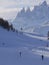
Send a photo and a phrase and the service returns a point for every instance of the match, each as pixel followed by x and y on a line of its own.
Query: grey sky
pixel 13 6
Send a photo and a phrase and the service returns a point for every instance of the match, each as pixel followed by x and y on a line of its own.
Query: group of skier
pixel 42 56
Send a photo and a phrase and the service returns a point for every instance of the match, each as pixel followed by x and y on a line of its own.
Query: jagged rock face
pixel 32 19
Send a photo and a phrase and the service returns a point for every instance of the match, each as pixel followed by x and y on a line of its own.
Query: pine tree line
pixel 5 24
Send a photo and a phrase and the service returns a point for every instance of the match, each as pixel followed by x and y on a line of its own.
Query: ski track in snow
pixel 37 37
pixel 43 51
pixel 31 53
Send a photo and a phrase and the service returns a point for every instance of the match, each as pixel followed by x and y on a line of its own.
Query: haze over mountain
pixel 32 20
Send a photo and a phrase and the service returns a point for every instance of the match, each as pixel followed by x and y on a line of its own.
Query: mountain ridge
pixel 34 18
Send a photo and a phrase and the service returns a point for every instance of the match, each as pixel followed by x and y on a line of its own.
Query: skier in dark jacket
pixel 20 54
pixel 47 45
pixel 42 57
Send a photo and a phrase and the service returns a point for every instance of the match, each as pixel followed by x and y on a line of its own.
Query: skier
pixel 42 57
pixel 47 45
pixel 20 53
pixel 3 44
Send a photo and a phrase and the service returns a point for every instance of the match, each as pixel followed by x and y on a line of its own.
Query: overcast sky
pixel 9 8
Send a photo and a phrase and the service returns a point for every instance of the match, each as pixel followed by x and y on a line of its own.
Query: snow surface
pixel 31 47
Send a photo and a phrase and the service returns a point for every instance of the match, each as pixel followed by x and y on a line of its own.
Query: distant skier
pixel 47 45
pixel 42 57
pixel 20 54
pixel 3 44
